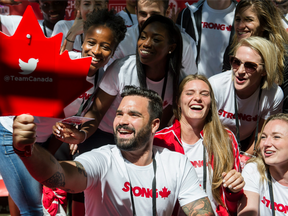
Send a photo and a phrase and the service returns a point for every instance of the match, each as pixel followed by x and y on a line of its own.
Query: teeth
pixel 95 59
pixel 269 152
pixel 241 33
pixel 196 107
pixel 145 52
pixel 125 132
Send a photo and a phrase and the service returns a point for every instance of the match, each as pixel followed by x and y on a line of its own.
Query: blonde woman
pixel 198 133
pixel 266 176
pixel 247 94
pixel 261 18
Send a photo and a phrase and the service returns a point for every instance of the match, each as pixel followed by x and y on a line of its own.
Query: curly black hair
pixel 107 18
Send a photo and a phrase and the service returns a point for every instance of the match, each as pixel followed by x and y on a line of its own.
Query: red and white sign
pixel 34 77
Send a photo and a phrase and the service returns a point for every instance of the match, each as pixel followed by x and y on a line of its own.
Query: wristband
pixel 69 40
pixel 85 135
pixel 26 153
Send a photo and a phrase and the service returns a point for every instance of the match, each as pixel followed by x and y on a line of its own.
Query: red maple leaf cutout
pixel 164 193
pixel 34 77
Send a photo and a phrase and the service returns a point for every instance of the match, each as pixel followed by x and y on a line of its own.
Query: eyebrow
pixel 154 34
pixel 130 112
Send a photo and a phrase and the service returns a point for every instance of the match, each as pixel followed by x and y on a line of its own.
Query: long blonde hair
pixel 216 139
pixel 271 22
pixel 259 160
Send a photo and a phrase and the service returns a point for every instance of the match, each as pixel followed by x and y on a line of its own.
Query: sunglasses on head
pixel 250 67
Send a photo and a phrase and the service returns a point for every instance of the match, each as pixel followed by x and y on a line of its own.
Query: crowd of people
pixel 189 118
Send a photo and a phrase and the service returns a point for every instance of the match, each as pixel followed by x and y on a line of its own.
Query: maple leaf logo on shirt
pixel 164 193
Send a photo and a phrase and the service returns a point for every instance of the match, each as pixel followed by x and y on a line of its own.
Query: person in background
pixel 72 30
pixel 112 176
pixel 247 94
pixel 129 13
pixel 282 5
pixel 209 23
pixel 213 150
pixel 144 10
pixel 24 190
pixel 266 176
pixel 261 18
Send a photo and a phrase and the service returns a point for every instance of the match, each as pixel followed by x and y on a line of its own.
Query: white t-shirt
pixel 194 154
pixel 280 193
pixel 216 30
pixel 109 176
pixel 127 19
pixel 64 27
pixel 10 23
pixel 270 103
pixel 129 44
pixel 124 72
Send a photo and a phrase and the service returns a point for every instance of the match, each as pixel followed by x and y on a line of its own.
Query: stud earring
pixel 170 52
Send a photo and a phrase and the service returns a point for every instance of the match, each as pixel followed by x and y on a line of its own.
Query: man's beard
pixel 134 143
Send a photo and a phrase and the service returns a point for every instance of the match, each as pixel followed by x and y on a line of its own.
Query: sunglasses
pixel 250 67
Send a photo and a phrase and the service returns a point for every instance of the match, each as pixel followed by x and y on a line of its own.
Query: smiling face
pixel 99 43
pixel 195 102
pixel 247 83
pixel 87 6
pixel 132 126
pixel 153 44
pixel 274 143
pixel 52 11
pixel 247 24
pixel 147 8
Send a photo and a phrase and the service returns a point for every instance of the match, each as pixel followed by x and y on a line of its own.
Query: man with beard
pixel 133 177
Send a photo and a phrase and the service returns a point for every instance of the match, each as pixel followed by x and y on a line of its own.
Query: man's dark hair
pixel 109 19
pixel 155 101
pixel 164 2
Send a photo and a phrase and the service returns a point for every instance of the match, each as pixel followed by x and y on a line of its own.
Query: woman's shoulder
pixel 224 77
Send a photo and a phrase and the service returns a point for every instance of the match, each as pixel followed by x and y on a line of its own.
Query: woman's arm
pixel 76 29
pixel 249 204
pixel 69 134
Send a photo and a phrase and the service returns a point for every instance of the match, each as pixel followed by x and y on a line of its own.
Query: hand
pixel 233 180
pixel 68 133
pixel 77 27
pixel 73 148
pixel 10 2
pixel 24 132
pixel 174 14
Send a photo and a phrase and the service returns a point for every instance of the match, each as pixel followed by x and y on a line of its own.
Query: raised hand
pixel 24 132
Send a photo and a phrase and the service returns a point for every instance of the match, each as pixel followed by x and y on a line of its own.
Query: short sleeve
pixel 190 189
pixel 277 105
pixel 251 177
pixel 110 81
